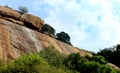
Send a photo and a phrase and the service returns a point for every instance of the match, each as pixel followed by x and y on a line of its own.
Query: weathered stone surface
pixel 9 12
pixel 6 51
pixel 32 20
pixel 16 39
pixel 62 47
pixel 13 20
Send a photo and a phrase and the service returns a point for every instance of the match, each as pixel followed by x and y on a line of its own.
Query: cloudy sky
pixel 92 24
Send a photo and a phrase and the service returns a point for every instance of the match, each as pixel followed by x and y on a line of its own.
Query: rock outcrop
pixel 32 21
pixel 4 11
pixel 18 35
pixel 29 20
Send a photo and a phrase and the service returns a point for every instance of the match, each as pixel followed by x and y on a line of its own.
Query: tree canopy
pixel 62 36
pixel 111 54
pixel 49 29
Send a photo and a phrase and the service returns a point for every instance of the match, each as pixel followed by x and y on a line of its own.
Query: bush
pixel 95 64
pixel 51 61
pixel 107 53
pixel 72 61
pixel 89 67
pixel 23 9
pixel 111 54
pixel 27 64
pixel 99 59
pixel 1 64
pixel 105 69
pixel 52 56
pixel 48 29
pixel 62 36
pixel 31 63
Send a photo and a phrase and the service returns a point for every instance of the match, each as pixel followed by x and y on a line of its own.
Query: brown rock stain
pixel 6 52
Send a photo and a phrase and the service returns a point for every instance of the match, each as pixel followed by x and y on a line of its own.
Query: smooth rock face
pixel 20 36
pixel 16 39
pixel 6 51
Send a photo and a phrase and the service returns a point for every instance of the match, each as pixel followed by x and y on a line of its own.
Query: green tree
pixel 107 53
pixel 72 61
pixel 52 56
pixel 99 59
pixel 118 48
pixel 62 36
pixel 89 67
pixel 106 69
pixel 31 63
pixel 49 29
pixel 23 9
pixel 112 55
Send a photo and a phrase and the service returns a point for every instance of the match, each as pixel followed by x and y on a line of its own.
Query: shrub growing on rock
pixel 47 29
pixel 23 9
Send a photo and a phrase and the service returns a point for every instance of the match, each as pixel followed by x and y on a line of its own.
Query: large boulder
pixel 32 21
pixel 8 12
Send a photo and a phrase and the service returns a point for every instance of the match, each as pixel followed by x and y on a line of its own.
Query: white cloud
pixel 91 24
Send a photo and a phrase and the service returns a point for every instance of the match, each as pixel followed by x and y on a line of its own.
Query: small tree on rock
pixel 23 9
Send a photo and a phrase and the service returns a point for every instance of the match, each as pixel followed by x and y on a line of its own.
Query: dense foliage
pixel 62 36
pixel 95 64
pixel 52 56
pixel 48 29
pixel 31 63
pixel 50 60
pixel 111 54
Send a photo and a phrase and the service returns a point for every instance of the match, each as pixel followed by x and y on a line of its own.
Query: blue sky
pixel 92 24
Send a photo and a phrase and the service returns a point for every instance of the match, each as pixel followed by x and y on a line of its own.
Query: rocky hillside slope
pixel 19 33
